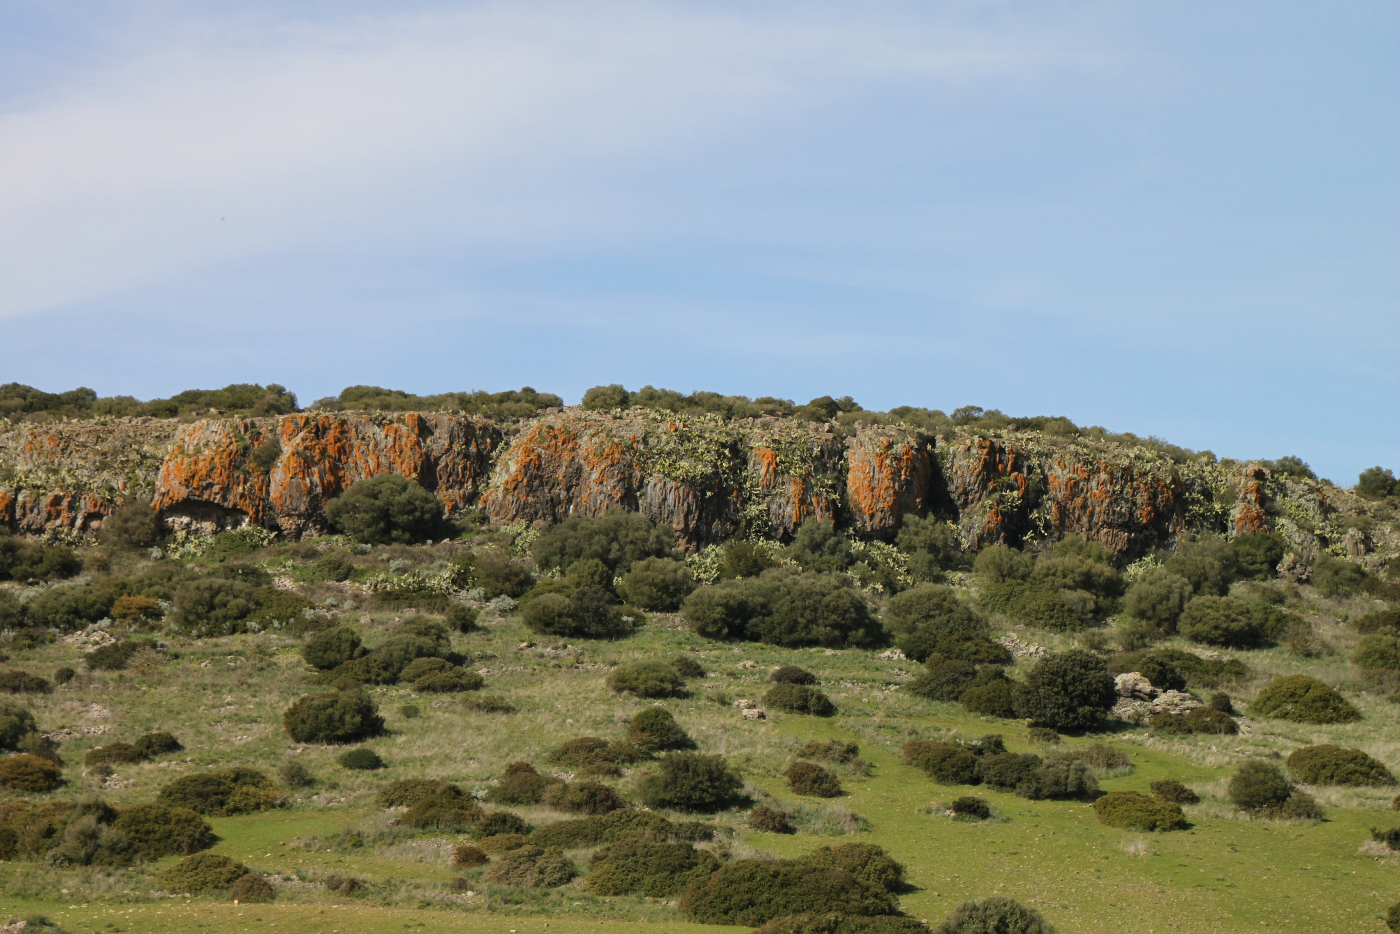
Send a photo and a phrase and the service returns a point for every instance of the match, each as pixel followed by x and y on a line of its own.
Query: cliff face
pixel 706 477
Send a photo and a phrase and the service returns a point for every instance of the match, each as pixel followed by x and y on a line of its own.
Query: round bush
pixel 619 539
pixel 1158 598
pixel 1377 651
pixel 1199 720
pixel 770 820
pixel 449 681
pixel 16 722
pixel 791 674
pixel 1132 811
pixel 531 867
pixel 646 679
pixel 584 798
pixel 1008 770
pixel 498 822
pixel 360 759
pixel 969 806
pixel 1169 789
pixel 295 775
pixel 446 808
pixel 331 648
pixel 63 675
pixel 1066 691
pixel 520 785
pixel 387 508
pixel 690 781
pixel 154 830
pixel 337 717
pixel 945 763
pixel 995 915
pixel 252 889
pixel 463 618
pixel 14 681
pixel 114 753
pixel 235 791
pixel 421 667
pixel 799 698
pixel 467 856
pixel 643 867
pixel 657 584
pixel 751 892
pixel 1332 765
pixel 928 618
pixel 944 679
pixel 133 524
pixel 588 613
pixel 407 792
pixel 211 606
pixel 202 872
pixel 26 772
pixel 1062 776
pixel 996 698
pixel 1219 621
pixel 655 729
pixel 804 778
pixel 1303 700
pixel 1258 786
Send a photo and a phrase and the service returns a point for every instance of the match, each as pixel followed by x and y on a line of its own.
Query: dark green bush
pixel 500 576
pixel 16 722
pixel 1258 786
pixel 1219 621
pixel 1199 720
pixel 331 648
pixel 641 867
pixel 1061 776
pixel 1207 562
pixel 1377 651
pixel 687 667
pixel 1169 789
pixel 647 679
pixel 817 546
pixel 1387 620
pixel 1257 556
pixel 791 674
pixel 488 703
pixel 587 752
pixel 114 753
pixel 1129 810
pixel 604 398
pixel 12 612
pixel 1170 664
pixel 449 681
pixel 421 667
pixel 1392 918
pixel 233 791
pixel 155 830
pixel 202 872
pixel 584 798
pixel 295 775
pixel 690 781
pixel 1332 765
pixel 1007 771
pixel 336 717
pixel 211 607
pixel 945 763
pixel 969 806
pixel 994 698
pixel 1040 734
pixel 655 729
pixel 1221 701
pixel 335 566
pixel 407 792
pixel 869 864
pixel 26 561
pixel 31 773
pixel 751 892
pixel 1303 700
pixel 605 828
pixel 114 655
pixel 468 856
pixel 943 679
pixel 69 608
pixel 932 545
pixel 360 759
pixel 1336 576
pixel 531 867
pixel 785 607
pixel 804 778
pixel 498 822
pixel 251 888
pixel 62 676
pixel 995 915
pixel 798 698
pixel 462 618
pixel 387 508
pixel 770 820
pixel 658 584
pixel 1066 691
pixel 1158 598
pixel 521 785
pixel 14 681
pixel 618 539
pixel 447 808
pixel 928 620
pixel 588 612
pixel 842 924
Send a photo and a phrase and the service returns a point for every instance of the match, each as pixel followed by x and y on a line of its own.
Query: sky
pixel 1179 219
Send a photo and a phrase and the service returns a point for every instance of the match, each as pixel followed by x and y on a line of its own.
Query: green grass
pixel 224 698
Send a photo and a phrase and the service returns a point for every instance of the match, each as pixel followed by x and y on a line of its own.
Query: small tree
pixel 1219 621
pixel 387 508
pixel 690 781
pixel 1258 786
pixel 1067 691
pixel 133 524
pixel 806 778
pixel 658 584
pixel 654 729
pixel 337 717
pixel 1158 598
pixel 995 915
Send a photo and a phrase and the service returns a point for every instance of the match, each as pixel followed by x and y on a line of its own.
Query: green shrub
pixel 932 546
pixel 62 676
pixel 1062 776
pixel 155 830
pixel 1169 789
pixel 1258 786
pixel 498 822
pixel 446 808
pixel 336 717
pixel 114 753
pixel 690 781
pixel 532 867
pixel 26 772
pixel 134 524
pixel 1257 556
pixel 1377 651
pixel 26 561
pixel 420 667
pixel 1129 810
pixel 295 775
pixel 750 892
pixel 641 867
pixel 1303 700
pixel 1334 577
pixel 331 648
pixel 945 763
pixel 791 674
pixel 12 612
pixel 202 872
pixel 252 889
pixel 1207 562
pixel 360 759
pixel 995 915
pixel 618 539
pixel 658 584
pixel 970 806
pixel 943 679
pixel 16 722
pixel 785 607
pixel 687 667
pixel 1332 765
pixel 592 831
pixel 655 729
pixel 798 698
pixel 842 924
pixel 1158 598
pixel 584 798
pixel 1066 691
pixel 1377 483
pixel 69 608
pixel 770 820
pixel 463 618
pixel 1392 918
pixel 335 566
pixel 1007 771
pixel 387 508
pixel 488 703
pixel 647 679
pixel 449 681
pixel 1163 667
pixel 234 791
pixel 467 856
pixel 114 655
pixel 1387 620
pixel 588 612
pixel 500 576
pixel 211 607
pixel 1198 720
pixel 14 681
pixel 995 698
pixel 587 752
pixel 804 778
pixel 869 864
pixel 1221 701
pixel 1040 734
pixel 1219 621
pixel 407 792
pixel 928 620
pixel 521 785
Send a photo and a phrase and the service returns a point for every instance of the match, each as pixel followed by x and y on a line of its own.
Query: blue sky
pixel 1175 219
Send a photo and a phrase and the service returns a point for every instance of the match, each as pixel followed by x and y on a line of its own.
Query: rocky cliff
pixel 707 477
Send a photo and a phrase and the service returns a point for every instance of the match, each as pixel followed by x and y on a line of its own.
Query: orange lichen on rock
pixel 207 478
pixel 562 466
pixel 1248 517
pixel 887 478
pixel 1117 505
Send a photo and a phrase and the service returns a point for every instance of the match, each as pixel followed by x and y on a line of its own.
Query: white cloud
pixel 482 123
